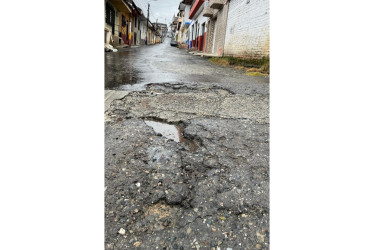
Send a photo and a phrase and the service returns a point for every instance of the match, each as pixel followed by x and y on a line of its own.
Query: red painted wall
pixel 204 44
pixel 200 45
pixel 195 7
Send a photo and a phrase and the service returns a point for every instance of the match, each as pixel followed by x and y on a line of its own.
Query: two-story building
pixel 125 23
pixel 184 9
pixel 216 11
pixel 115 24
pixel 238 28
pixel 197 27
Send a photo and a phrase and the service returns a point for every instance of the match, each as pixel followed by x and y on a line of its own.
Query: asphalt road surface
pixel 187 153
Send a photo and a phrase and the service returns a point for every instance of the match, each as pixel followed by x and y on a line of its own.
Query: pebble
pixel 188 230
pixel 138 243
pixel 122 231
pixel 258 246
pixel 138 184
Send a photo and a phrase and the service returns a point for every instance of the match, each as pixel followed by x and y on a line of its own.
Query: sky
pixel 160 10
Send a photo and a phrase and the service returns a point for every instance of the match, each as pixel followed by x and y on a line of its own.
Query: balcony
pixel 208 12
pixel 216 4
pixel 195 7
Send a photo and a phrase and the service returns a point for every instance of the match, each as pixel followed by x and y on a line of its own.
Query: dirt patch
pixel 223 61
pixel 159 209
pixel 261 65
pixel 255 74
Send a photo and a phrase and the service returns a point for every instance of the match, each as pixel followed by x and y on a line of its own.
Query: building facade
pixel 113 27
pixel 197 28
pixel 247 31
pixel 125 24
pixel 237 28
pixel 183 32
pixel 216 11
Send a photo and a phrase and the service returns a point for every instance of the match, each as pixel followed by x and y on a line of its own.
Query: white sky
pixel 163 10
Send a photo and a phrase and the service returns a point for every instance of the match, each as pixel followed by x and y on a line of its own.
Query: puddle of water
pixel 167 130
pixel 173 132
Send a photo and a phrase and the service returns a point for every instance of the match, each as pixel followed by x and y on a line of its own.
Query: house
pixel 114 9
pixel 174 26
pixel 139 25
pixel 162 30
pixel 183 33
pixel 142 29
pixel 125 23
pixel 216 12
pixel 151 33
pixel 197 28
pixel 238 28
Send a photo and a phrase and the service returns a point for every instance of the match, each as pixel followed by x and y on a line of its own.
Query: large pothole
pixel 173 132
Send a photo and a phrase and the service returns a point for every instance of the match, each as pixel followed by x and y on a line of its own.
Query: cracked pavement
pixel 208 191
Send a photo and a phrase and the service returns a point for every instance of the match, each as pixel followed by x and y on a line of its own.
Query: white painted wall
pixel 247 31
pixel 143 30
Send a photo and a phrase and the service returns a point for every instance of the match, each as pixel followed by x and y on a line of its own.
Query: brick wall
pixel 247 31
pixel 209 36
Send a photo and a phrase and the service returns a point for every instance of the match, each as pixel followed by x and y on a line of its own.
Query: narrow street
pixel 132 68
pixel 187 152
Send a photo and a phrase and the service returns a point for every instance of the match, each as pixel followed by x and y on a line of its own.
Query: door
pixel 203 36
pixel 127 33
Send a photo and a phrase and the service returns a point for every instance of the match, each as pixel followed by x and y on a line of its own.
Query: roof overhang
pixel 121 5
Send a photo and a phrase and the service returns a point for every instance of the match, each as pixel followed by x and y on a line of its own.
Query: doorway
pixel 202 37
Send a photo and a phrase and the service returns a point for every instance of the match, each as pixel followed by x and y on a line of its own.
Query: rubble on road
pixel 109 48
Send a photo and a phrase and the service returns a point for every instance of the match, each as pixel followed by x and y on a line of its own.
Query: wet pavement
pixel 132 69
pixel 187 153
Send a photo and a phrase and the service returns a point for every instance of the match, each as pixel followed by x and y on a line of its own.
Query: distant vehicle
pixel 173 43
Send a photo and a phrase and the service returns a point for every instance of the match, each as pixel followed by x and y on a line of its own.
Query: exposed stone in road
pixel 111 95
pixel 208 190
pixel 174 107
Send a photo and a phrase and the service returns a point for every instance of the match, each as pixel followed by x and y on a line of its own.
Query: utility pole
pixel 156 28
pixel 146 40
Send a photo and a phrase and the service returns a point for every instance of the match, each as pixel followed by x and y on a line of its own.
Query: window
pixel 109 14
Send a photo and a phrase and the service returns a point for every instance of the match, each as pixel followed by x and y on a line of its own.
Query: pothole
pixel 173 132
pixel 167 130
